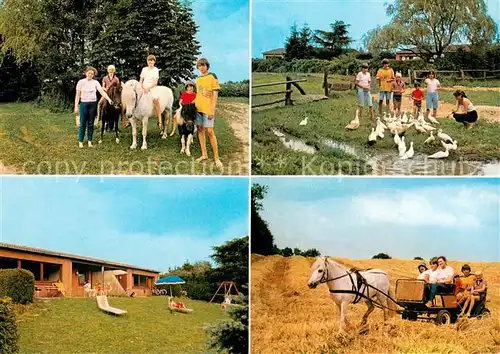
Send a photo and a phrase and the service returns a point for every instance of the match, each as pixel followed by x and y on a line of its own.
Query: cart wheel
pixel 484 313
pixel 443 317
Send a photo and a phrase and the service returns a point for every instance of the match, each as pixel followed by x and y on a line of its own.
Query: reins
pixel 355 291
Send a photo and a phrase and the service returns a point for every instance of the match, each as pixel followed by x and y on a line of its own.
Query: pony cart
pixel 412 296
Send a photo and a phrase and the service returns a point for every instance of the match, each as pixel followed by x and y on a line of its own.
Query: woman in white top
pixel 149 80
pixel 86 96
pixel 468 113
pixel 432 99
pixel 442 276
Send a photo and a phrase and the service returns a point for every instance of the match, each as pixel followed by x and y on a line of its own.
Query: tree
pixel 332 43
pixel 427 28
pixel 297 251
pixel 418 258
pixel 298 44
pixel 287 252
pixel 262 239
pixel 313 252
pixel 381 256
pixel 232 261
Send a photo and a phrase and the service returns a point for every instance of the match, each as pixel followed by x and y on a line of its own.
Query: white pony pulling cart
pixel 372 286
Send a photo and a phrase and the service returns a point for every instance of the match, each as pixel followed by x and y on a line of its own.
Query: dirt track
pixel 288 317
pixel 240 124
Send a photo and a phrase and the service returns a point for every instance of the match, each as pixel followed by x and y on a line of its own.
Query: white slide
pixel 102 302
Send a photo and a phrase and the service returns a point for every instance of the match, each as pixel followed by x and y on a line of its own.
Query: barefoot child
pixel 397 88
pixel 363 83
pixel 385 77
pixel 432 100
pixel 207 90
pixel 149 81
pixel 417 95
pixel 187 97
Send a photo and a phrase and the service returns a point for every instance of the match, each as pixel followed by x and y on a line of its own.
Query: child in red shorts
pixel 187 97
pixel 417 95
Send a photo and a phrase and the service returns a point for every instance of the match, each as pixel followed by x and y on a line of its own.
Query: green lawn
pixel 328 118
pixel 77 326
pixel 35 141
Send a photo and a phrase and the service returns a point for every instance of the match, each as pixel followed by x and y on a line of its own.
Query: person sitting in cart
pixel 440 278
pixel 464 284
pixel 424 272
pixel 477 293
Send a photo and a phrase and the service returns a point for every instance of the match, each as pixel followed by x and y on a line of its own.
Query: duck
pixel 445 137
pixel 379 130
pixel 428 128
pixel 439 154
pixel 354 124
pixel 432 119
pixel 372 138
pixel 381 124
pixel 409 153
pixel 420 128
pixel 397 139
pixel 402 147
pixel 452 146
pixel 303 121
pixel 430 138
pixel 405 118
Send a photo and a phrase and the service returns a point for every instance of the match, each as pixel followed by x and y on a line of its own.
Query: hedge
pixel 8 328
pixel 18 284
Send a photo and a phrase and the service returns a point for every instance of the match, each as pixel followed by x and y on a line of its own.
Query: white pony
pixel 139 107
pixel 345 288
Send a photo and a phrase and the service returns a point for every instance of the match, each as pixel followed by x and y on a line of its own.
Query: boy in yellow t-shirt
pixel 207 90
pixel 385 77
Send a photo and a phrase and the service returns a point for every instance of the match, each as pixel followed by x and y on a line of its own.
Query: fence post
pixel 409 76
pixel 485 74
pixel 288 93
pixel 325 82
pixel 462 74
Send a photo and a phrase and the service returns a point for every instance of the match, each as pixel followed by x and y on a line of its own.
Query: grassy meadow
pixel 327 120
pixel 288 317
pixel 76 325
pixel 35 141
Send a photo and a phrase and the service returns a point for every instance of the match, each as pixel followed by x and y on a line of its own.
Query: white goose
pixel 397 139
pixel 372 138
pixel 402 147
pixel 405 118
pixel 440 154
pixel 420 128
pixel 379 130
pixel 303 121
pixel 445 137
pixel 429 139
pixel 432 119
pixel 354 124
pixel 449 146
pixel 409 153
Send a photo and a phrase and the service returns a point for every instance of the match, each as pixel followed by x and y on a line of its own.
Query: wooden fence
pixel 463 74
pixel 288 91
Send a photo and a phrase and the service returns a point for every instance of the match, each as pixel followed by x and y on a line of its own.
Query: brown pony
pixel 110 114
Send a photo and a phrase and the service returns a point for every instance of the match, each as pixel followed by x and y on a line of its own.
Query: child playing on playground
pixel 417 95
pixel 207 90
pixel 187 97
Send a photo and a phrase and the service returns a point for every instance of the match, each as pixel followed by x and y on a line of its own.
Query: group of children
pixel 205 100
pixel 468 288
pixel 392 84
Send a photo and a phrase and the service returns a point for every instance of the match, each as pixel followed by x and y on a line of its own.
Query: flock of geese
pixel 398 126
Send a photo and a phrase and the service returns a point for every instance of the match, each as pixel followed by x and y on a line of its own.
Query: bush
pixel 18 284
pixel 8 328
pixel 235 89
pixel 418 259
pixel 230 336
pixel 381 256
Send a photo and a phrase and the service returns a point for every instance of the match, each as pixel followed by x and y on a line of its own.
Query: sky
pixel 404 217
pixel 224 36
pixel 272 19
pixel 155 223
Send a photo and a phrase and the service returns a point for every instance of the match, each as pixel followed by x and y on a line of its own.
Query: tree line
pixel 262 238
pixel 46 44
pixel 426 28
